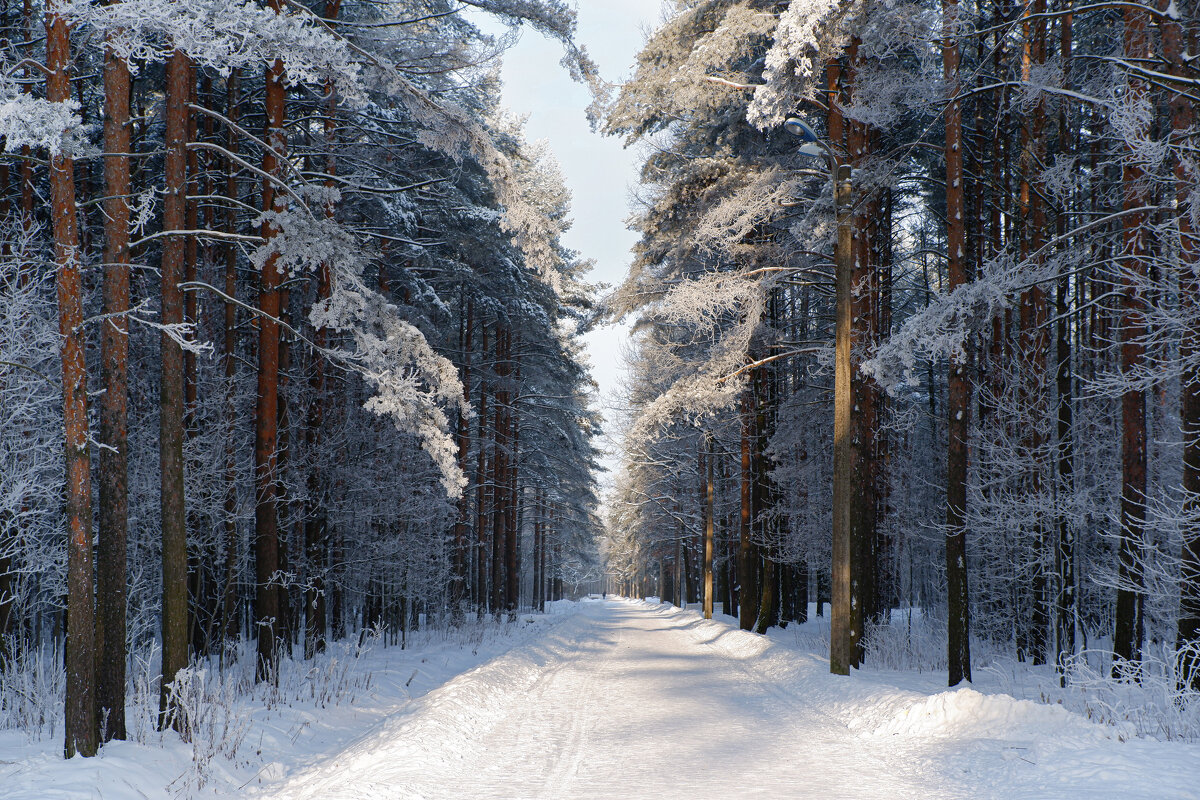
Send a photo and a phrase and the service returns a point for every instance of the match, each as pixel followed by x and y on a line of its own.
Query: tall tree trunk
pixel 1175 46
pixel 500 472
pixel 707 460
pixel 171 400
pixel 114 362
pixel 1033 622
pixel 767 609
pixel 959 395
pixel 27 178
pixel 80 701
pixel 229 616
pixel 198 560
pixel 1127 636
pixel 764 496
pixel 747 562
pixel 266 415
pixel 512 572
pixel 82 734
pixel 843 637
pixel 538 500
pixel 481 490
pixel 1065 613
pixel 863 421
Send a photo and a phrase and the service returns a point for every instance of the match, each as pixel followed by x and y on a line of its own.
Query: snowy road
pixel 625 700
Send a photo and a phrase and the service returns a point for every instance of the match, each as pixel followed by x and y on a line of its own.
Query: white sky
pixel 598 171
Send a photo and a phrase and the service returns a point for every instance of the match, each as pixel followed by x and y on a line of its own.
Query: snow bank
pixel 965 712
pixel 982 743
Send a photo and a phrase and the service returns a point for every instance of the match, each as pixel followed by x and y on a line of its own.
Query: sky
pixel 597 170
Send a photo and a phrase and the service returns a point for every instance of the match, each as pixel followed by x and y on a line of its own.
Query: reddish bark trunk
pixel 82 734
pixel 959 394
pixel 266 433
pixel 114 361
pixel 171 403
pixel 27 187
pixel 1183 115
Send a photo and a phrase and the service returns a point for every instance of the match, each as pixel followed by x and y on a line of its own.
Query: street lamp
pixel 845 620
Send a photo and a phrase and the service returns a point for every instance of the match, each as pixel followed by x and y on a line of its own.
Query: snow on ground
pixel 251 741
pixel 638 700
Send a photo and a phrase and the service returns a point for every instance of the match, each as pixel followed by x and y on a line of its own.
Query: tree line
pixel 1023 447
pixel 287 287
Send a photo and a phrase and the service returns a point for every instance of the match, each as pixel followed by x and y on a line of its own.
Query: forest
pixel 286 285
pixel 961 310
pixel 294 362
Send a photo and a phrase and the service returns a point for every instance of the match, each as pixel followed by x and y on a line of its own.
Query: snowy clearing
pixel 629 699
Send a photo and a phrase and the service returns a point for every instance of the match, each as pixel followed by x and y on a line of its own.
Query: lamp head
pixel 798 127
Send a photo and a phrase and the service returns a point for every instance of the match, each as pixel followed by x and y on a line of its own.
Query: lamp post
pixel 844 630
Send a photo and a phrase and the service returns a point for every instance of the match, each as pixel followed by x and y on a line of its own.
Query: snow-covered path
pixel 627 700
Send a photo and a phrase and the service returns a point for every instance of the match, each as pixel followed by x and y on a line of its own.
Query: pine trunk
pixel 708 528
pixel 512 567
pixel 1127 637
pixel 28 191
pixel 266 416
pixel 1175 48
pixel 959 394
pixel 747 562
pixel 114 364
pixel 171 398
pixel 481 493
pixel 82 734
pixel 229 617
